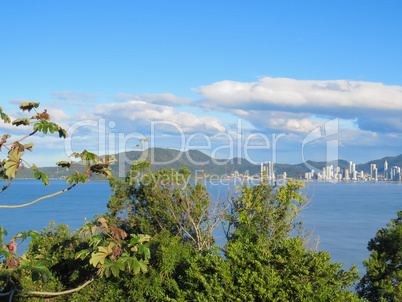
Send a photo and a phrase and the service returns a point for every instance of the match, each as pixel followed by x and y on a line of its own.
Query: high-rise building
pixel 271 174
pixel 346 174
pixel 373 172
pixel 268 171
pixel 386 172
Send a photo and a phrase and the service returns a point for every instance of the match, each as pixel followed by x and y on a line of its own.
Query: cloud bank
pixel 141 114
pixel 292 105
pixel 282 94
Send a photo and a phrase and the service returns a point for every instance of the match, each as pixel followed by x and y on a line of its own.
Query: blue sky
pixel 249 78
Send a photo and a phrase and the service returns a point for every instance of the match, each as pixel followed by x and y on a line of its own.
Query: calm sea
pixel 344 215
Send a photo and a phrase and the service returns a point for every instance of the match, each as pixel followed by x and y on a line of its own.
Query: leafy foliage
pixel 4 117
pixel 28 106
pixel 13 267
pixel 267 211
pixel 383 280
pixel 111 253
pixel 265 258
pixel 250 271
pixel 166 201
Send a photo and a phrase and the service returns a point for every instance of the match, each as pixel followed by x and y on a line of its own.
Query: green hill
pixel 200 164
pixel 392 161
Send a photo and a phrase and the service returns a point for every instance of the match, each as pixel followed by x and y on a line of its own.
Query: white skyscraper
pixel 373 172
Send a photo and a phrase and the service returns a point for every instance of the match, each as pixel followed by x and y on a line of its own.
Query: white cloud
pixel 339 98
pixel 139 113
pixel 161 98
pixel 74 96
pixel 279 121
pixel 58 115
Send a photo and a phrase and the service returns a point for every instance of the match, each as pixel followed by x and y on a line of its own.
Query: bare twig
pixel 36 200
pixel 8 184
pixel 55 293
pixel 21 139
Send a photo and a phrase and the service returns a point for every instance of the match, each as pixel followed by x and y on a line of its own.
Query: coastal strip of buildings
pixel 330 172
pixel 333 173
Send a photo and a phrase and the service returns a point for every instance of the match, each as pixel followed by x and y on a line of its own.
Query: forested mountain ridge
pixel 200 163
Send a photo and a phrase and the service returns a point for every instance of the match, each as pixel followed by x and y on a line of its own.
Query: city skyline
pixel 331 173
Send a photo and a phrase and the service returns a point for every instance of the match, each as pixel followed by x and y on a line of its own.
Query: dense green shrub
pixel 383 280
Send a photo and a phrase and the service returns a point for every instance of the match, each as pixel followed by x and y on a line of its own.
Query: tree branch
pixel 55 293
pixel 6 186
pixel 36 200
pixel 21 139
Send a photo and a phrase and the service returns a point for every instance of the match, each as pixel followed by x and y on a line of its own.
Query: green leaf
pixel 115 270
pixel 37 174
pixel 42 176
pixel 33 234
pixel 88 157
pixel 106 270
pixel 139 238
pixel 147 252
pixel 83 178
pixel 5 117
pixel 75 154
pixel 6 254
pixel 95 240
pixel 100 256
pixel 51 128
pixel 73 178
pixel 140 249
pixel 143 266
pixel 130 263
pixel 97 258
pixel 29 146
pixel 28 106
pixel 62 133
pixel 3 231
pixel 65 164
pixel 13 162
pixel 11 168
pixel 120 265
pixel 21 121
pixel 136 266
pixel 19 235
pixel 82 254
pixel 38 126
pixel 40 272
pixel 76 178
pixel 45 179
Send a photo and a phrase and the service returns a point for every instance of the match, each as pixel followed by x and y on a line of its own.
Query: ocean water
pixel 344 215
pixel 71 207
